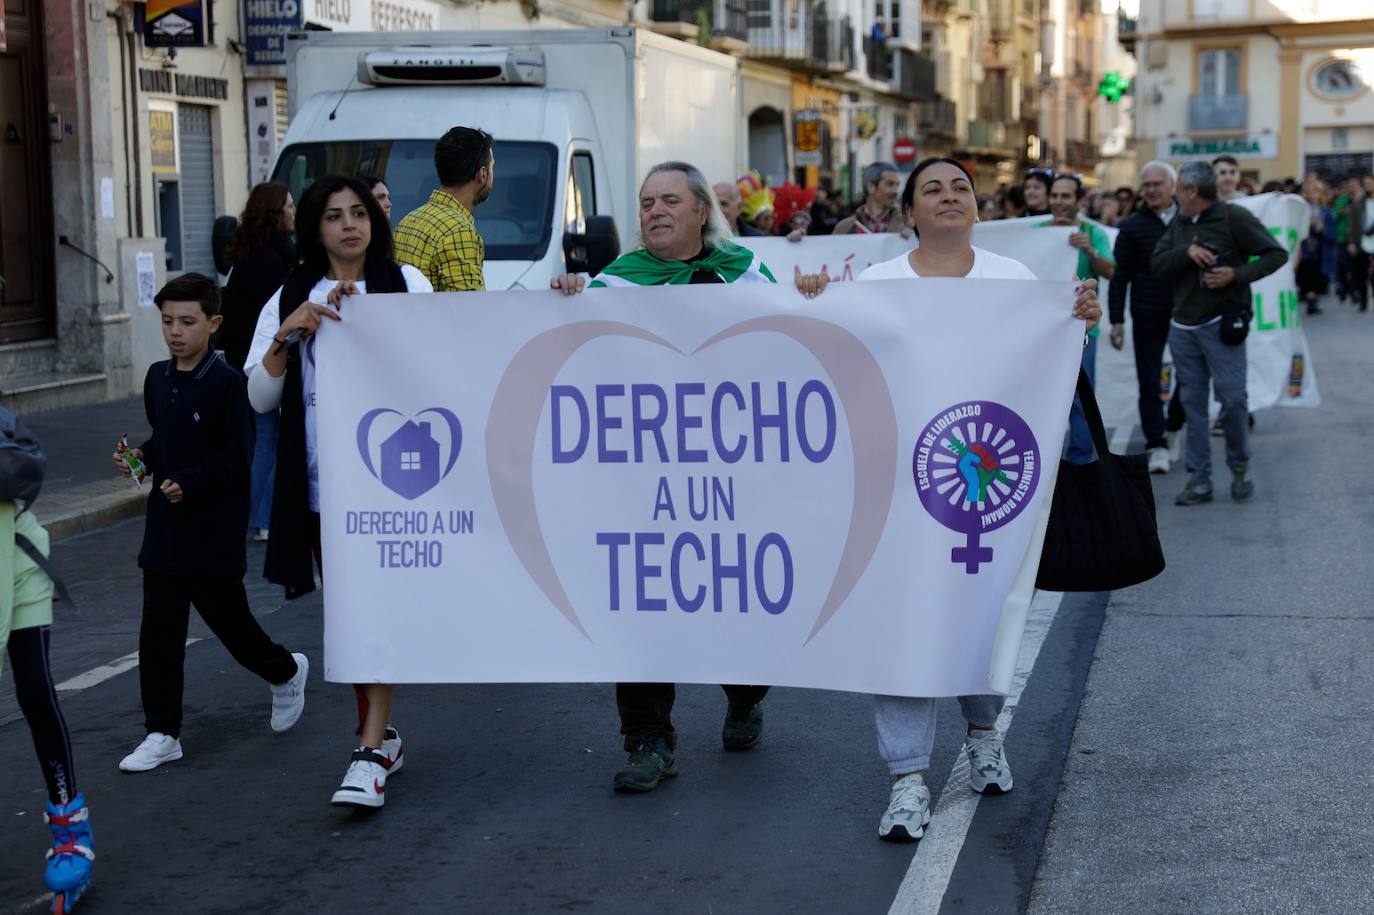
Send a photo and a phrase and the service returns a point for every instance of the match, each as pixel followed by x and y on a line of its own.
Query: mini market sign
pixel 1258 146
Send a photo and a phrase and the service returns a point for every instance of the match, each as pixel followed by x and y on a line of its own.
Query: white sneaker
pixel 1175 446
pixel 156 749
pixel 1159 460
pixel 391 749
pixel 987 764
pixel 908 811
pixel 288 699
pixel 364 784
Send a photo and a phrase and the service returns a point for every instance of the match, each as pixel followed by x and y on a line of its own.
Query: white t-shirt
pixel 986 266
pixel 269 323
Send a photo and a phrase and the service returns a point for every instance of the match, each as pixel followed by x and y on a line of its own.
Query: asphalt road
pixel 1196 744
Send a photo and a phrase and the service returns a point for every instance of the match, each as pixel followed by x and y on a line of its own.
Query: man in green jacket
pixel 1213 251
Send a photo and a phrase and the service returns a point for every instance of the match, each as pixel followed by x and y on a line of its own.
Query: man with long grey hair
pixel 1152 303
pixel 1213 251
pixel 684 239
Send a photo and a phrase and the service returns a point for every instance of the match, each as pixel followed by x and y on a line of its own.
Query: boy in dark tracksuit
pixel 199 456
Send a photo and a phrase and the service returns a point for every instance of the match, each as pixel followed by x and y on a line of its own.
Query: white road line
pixel 98 675
pixel 923 888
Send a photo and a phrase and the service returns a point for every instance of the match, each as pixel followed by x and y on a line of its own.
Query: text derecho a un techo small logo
pixel 975 467
pixel 415 454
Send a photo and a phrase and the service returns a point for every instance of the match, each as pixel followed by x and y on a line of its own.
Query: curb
pixel 65 517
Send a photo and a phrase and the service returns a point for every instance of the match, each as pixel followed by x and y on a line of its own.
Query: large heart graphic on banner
pixel 859 383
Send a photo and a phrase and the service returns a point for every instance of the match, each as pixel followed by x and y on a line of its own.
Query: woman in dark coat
pixel 262 253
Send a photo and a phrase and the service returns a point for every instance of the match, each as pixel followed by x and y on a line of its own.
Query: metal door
pixel 26 251
pixel 197 188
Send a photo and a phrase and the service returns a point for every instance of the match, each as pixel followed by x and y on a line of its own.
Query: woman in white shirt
pixel 938 200
pixel 344 240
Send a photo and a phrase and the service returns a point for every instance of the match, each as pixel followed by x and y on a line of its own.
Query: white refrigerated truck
pixel 578 116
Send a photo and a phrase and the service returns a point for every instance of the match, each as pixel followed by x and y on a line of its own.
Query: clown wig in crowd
pixel 756 202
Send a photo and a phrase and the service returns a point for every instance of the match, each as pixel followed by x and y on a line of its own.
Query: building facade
pixel 132 125
pixel 1283 87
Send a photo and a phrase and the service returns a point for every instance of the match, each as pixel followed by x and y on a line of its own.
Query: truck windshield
pixel 515 222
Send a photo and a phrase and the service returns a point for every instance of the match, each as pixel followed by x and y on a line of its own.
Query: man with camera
pixel 1213 251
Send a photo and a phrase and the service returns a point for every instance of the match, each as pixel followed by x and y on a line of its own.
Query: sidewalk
pixel 1220 761
pixel 81 489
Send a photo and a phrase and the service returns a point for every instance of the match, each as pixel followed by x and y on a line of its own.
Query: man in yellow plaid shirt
pixel 440 238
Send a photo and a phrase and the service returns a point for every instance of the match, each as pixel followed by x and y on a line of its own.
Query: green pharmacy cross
pixel 1113 86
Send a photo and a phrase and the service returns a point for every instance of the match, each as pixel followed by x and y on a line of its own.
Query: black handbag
pixel 1102 533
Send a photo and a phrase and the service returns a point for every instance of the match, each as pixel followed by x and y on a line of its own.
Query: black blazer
pixel 252 282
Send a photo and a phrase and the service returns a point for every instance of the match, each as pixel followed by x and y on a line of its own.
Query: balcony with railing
pixel 1081 153
pixel 726 22
pixel 1217 112
pixel 993 136
pixel 1000 19
pixel 910 74
pixel 939 117
pixel 803 36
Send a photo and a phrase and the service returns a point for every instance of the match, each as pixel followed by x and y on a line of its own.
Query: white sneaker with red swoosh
pixel 364 784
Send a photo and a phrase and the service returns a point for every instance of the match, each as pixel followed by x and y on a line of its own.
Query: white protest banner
pixel 1045 251
pixel 717 484
pixel 1279 363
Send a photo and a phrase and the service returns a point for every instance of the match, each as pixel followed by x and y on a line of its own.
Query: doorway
pixel 27 303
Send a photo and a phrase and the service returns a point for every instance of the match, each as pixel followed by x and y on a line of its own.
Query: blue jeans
pixel 1199 358
pixel 264 471
pixel 1081 448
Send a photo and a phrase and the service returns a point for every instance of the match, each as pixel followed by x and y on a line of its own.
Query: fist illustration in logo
pixel 978 466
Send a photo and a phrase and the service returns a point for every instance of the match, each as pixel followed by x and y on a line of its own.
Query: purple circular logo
pixel 975 467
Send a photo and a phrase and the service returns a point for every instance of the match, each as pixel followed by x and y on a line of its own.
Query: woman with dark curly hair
pixel 346 249
pixel 262 253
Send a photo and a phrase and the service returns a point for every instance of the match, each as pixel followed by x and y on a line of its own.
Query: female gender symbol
pixel 975 466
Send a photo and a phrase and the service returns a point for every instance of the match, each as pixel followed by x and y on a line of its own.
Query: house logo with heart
pixel 409 455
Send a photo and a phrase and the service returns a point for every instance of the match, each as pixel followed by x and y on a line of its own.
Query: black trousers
pixel 1149 334
pixel 37 695
pixel 223 604
pixel 646 709
pixel 1359 279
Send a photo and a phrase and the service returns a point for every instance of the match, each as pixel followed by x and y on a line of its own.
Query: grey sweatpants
pixel 906 727
pixel 1200 357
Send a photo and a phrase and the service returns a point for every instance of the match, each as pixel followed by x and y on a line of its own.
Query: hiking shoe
pixel 156 749
pixel 988 771
pixel 391 749
pixel 1241 488
pixel 1195 493
pixel 650 762
pixel 288 699
pixel 1159 460
pixel 908 810
pixel 364 784
pixel 743 727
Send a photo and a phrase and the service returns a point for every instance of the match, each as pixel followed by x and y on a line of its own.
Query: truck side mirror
pixel 591 250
